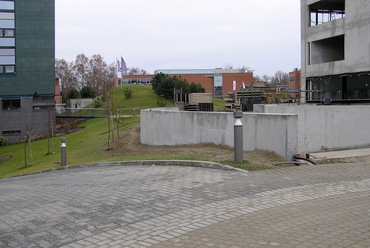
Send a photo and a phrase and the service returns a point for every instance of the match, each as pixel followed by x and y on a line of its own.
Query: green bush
pixel 87 92
pixel 128 93
pixel 161 102
pixel 73 94
pixel 3 140
pixel 163 85
pixel 98 103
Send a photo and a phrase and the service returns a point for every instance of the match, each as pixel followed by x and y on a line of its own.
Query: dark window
pixel 12 104
pixel 292 78
pixel 218 91
pixel 43 107
pixel 12 132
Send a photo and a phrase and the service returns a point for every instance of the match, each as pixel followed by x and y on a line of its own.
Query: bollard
pixel 238 137
pixel 63 148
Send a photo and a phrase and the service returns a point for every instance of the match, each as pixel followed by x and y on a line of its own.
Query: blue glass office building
pixel 27 74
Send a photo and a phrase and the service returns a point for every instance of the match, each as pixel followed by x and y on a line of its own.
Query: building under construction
pixel 335 50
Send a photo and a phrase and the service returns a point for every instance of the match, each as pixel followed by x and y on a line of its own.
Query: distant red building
pixel 218 82
pixel 295 80
pixel 57 91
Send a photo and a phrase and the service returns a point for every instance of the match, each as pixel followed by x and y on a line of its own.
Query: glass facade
pixel 185 71
pixel 354 87
pixel 218 85
pixel 27 47
pixel 7 37
pixel 135 81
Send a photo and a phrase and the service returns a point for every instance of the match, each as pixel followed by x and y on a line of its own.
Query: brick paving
pixel 166 206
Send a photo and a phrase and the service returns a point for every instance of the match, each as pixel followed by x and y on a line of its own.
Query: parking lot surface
pixel 173 206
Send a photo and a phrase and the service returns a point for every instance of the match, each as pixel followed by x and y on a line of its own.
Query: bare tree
pixel 266 78
pixel 64 70
pixel 81 70
pixel 29 125
pixel 246 69
pixel 280 78
pixel 228 67
pixel 257 78
pixel 136 71
pixel 85 71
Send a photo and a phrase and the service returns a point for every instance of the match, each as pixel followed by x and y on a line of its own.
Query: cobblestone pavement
pixel 165 206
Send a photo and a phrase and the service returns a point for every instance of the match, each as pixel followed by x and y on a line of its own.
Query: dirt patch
pixel 3 159
pixel 68 125
pixel 351 160
pixel 129 145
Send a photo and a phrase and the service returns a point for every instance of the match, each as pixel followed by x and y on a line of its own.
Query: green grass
pixel 83 147
pixel 143 96
pixel 219 104
pixel 89 145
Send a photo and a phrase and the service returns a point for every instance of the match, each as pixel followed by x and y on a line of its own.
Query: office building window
pixel 218 85
pixel 11 104
pixel 6 5
pixel 11 132
pixel 7 37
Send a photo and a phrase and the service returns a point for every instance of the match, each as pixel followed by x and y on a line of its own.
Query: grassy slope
pixel 85 146
pixel 142 97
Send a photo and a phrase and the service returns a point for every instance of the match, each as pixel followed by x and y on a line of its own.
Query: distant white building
pixel 336 50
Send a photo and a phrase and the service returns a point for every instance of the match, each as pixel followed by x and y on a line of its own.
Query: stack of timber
pixel 200 102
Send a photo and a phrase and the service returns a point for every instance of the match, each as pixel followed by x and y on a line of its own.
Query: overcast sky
pixel 182 34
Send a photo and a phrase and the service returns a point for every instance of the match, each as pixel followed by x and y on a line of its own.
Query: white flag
pixel 119 70
pixel 243 85
pixel 234 85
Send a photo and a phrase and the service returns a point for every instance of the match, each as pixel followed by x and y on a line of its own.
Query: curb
pixel 188 163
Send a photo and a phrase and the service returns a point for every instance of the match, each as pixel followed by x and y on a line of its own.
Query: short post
pixel 238 137
pixel 63 148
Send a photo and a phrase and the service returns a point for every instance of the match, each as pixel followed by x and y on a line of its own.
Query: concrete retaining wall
pixel 331 127
pixel 271 132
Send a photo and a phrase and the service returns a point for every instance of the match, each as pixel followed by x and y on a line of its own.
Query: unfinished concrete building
pixel 336 50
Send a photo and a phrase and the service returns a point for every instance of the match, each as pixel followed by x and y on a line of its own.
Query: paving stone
pixel 165 206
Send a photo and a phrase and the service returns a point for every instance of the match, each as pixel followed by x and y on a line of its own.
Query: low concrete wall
pixel 331 127
pixel 271 132
pixel 79 103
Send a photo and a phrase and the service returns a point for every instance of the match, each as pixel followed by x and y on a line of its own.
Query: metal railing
pixel 95 112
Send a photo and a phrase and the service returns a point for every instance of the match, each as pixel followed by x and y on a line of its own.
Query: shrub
pixel 161 102
pixel 163 85
pixel 73 94
pixel 98 103
pixel 3 140
pixel 87 92
pixel 128 93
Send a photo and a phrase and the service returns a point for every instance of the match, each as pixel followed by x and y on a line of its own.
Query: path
pixel 164 206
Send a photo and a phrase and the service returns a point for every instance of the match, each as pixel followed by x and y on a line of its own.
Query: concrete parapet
pixel 327 127
pixel 272 132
